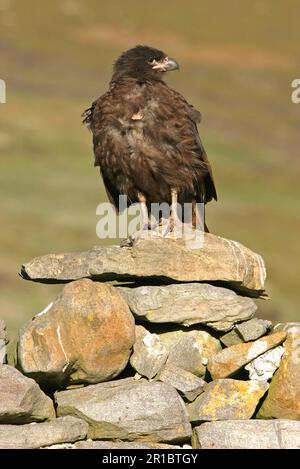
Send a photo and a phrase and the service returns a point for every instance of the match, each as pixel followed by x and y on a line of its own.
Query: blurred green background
pixel 238 59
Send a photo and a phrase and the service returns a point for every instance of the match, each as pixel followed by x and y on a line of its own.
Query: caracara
pixel 145 136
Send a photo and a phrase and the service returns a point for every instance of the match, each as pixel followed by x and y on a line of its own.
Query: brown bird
pixel 145 137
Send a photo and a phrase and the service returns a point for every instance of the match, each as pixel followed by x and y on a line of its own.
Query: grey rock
pixel 37 435
pixel 217 259
pixel 190 349
pixel 253 329
pixel 189 303
pixel 3 342
pixel 248 434
pixel 231 338
pixel 21 400
pixel 149 353
pixel 264 366
pixel 188 384
pixel 128 410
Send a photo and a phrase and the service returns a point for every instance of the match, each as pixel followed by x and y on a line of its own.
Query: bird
pixel 146 141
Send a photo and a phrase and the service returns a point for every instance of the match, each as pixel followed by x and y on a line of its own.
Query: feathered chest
pixel 132 109
pixel 144 122
pixel 145 139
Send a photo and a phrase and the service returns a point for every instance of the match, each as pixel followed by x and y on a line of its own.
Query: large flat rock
pixel 218 259
pixel 189 303
pixel 248 434
pixel 37 435
pixel 128 410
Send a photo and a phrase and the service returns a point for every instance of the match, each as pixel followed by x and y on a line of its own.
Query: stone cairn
pixel 153 345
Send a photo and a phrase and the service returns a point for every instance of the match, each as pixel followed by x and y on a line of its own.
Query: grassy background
pixel 238 59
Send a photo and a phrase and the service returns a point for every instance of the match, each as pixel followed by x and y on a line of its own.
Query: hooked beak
pixel 166 65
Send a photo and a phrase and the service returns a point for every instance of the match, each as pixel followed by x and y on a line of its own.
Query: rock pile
pixel 176 327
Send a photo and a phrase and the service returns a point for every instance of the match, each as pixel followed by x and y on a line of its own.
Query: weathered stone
pixel 233 358
pixel 128 410
pixel 189 303
pixel 37 435
pixel 231 338
pixel 287 326
pixel 189 385
pixel 96 444
pixel 248 434
pixel 149 353
pixel 283 398
pixel 253 329
pixel 264 366
pixel 246 331
pixel 3 342
pixel 217 259
pixel 61 446
pixel 227 399
pixel 85 336
pixel 21 400
pixel 190 350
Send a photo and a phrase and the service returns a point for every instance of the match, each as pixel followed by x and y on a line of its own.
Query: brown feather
pixel 151 154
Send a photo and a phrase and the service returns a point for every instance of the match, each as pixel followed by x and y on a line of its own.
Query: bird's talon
pixel 127 243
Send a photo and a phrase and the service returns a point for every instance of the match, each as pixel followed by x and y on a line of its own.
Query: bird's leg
pixel 145 225
pixel 198 217
pixel 175 222
pixel 170 223
pixel 144 210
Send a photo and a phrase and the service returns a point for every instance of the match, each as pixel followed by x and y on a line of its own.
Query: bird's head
pixel 143 63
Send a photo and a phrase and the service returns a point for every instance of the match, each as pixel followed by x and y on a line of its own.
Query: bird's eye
pixel 152 60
